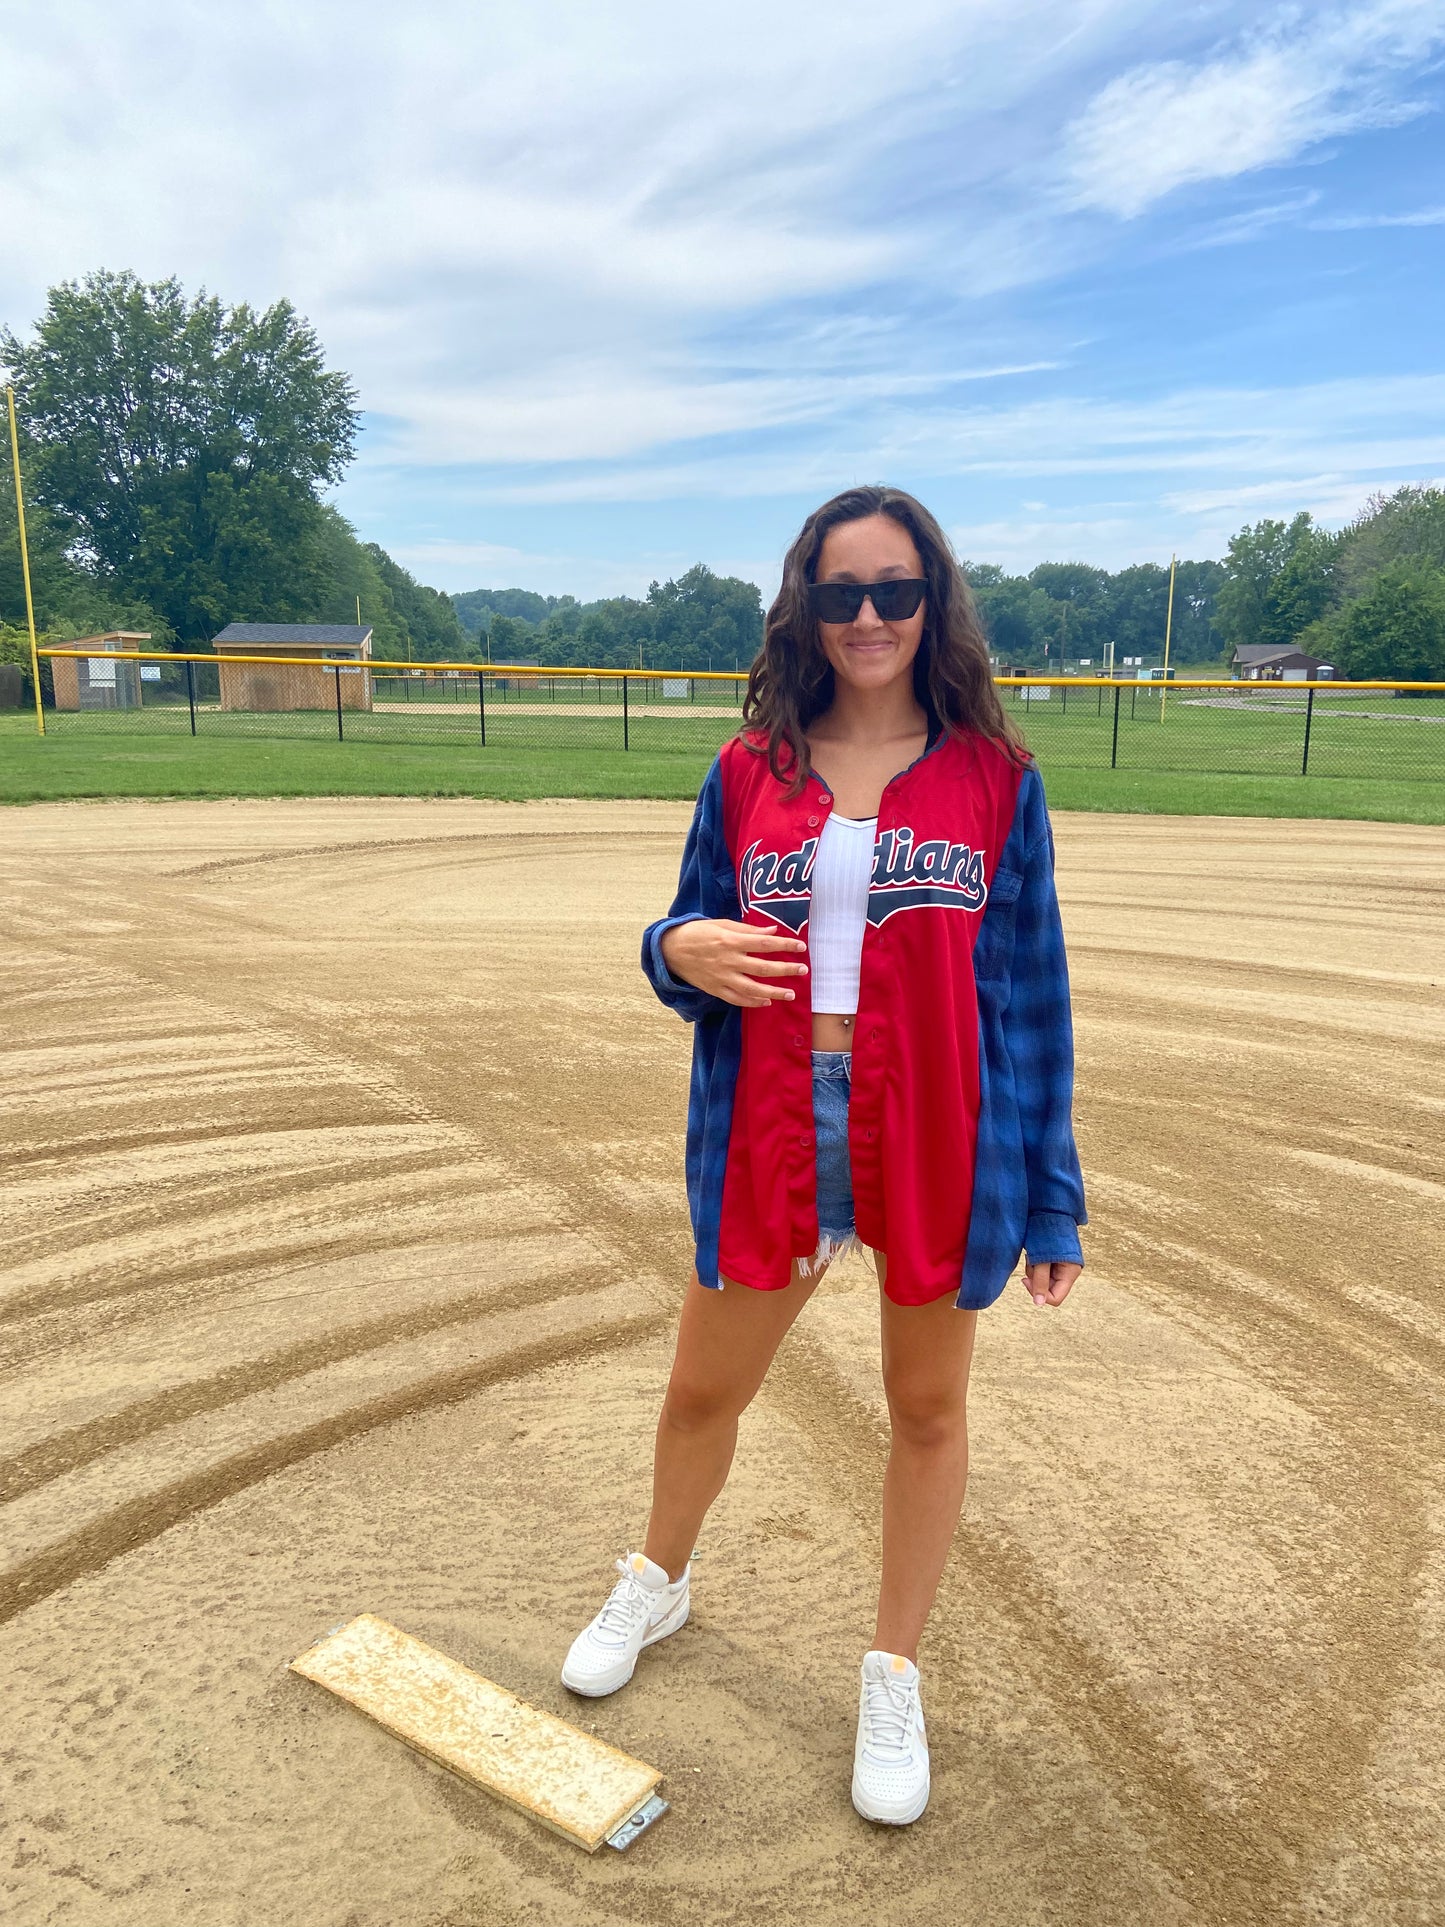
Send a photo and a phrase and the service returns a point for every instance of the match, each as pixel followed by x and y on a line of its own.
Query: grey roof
pixel 1269 651
pixel 294 632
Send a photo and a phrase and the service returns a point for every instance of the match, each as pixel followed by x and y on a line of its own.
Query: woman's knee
pixel 697 1404
pixel 927 1415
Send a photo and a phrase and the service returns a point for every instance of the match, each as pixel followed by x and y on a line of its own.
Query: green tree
pixel 1138 609
pixel 704 620
pixel 1072 623
pixel 1003 607
pixel 69 601
pixel 513 640
pixel 1406 526
pixel 476 607
pixel 1277 580
pixel 1395 628
pixel 184 443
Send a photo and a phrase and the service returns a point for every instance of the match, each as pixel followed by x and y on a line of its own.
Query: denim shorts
pixel 832 1086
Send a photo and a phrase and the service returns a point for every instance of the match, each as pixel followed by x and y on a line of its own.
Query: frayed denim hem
pixel 830 1246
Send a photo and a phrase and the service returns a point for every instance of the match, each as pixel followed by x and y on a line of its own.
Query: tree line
pixel 176 452
pixel 1368 598
pixel 699 621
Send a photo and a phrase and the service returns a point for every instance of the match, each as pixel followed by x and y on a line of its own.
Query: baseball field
pixel 344 1234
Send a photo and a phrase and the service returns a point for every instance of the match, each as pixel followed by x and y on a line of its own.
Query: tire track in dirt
pixel 486 844
pixel 68 1451
pixel 269 1022
pixel 104 1294
pixel 24 1585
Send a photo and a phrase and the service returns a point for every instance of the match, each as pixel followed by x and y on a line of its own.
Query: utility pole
pixel 25 562
pixel 1168 631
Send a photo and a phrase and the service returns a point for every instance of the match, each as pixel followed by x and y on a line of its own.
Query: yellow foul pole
pixel 25 561
pixel 1168 631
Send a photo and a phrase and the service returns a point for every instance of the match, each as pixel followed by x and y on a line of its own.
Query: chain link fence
pixel 1357 730
pixel 1364 731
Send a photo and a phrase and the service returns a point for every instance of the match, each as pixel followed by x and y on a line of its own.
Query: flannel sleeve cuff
pixel 661 976
pixel 1052 1239
pixel 686 1000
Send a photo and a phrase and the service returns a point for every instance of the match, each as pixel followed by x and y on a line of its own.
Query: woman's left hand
pixel 1049 1284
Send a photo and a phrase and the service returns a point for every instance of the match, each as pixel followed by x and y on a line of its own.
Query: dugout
pixel 99 681
pixel 291 685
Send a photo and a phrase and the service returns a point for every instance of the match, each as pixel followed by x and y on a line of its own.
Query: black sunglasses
pixel 892 601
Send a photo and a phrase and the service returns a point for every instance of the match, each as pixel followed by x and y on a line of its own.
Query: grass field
pixel 531 755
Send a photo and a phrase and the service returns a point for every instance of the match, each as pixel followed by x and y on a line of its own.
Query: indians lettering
pixel 907 875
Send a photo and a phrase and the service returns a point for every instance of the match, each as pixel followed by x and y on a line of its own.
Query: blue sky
pixel 624 287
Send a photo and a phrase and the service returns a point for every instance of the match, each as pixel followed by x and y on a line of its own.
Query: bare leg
pixel 725 1344
pixel 927 1351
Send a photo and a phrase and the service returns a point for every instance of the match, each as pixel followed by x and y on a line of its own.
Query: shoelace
pixel 628 1599
pixel 887 1709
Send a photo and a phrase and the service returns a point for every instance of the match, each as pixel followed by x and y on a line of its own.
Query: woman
pixel 867 942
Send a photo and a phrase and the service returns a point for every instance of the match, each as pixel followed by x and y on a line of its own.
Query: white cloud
pixel 591 413
pixel 492 565
pixel 489 565
pixel 1391 424
pixel 588 252
pixel 1018 545
pixel 1248 224
pixel 1305 76
pixel 506 220
pixel 1421 217
pixel 1329 498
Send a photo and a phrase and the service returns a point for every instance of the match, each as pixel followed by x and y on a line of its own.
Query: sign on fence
pixel 149 672
pixel 675 686
pixel 102 670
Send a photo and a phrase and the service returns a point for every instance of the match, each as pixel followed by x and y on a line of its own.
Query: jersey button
pixel 812 822
pixel 798 1042
pixel 807 1138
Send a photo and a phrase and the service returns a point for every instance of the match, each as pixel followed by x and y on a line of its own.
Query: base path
pixel 344 1235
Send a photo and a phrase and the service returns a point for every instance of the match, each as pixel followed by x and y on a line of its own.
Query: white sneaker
pixel 890 1760
pixel 643 1607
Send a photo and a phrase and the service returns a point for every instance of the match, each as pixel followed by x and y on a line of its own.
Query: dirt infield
pixel 344 1232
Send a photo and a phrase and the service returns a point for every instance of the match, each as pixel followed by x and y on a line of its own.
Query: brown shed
pixel 289 685
pixel 1269 662
pixel 93 682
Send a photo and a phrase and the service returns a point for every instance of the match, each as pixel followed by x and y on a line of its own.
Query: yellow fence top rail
pixel 385 666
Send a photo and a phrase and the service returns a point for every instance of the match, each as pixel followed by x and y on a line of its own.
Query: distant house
pixel 99 681
pixel 287 684
pixel 1266 662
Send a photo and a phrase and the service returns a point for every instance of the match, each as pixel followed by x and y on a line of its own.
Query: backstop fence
pixel 1371 731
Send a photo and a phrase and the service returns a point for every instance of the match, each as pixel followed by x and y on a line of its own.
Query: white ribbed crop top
pixel 838 914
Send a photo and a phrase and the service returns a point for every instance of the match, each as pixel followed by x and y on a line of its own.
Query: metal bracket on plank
pixel 652 1808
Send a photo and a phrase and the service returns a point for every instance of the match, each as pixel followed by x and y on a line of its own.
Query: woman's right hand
pixel 726 959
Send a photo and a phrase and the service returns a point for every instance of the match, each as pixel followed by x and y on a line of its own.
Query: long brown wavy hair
pixel 791 681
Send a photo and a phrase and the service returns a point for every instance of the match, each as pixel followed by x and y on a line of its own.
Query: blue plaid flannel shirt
pixel 1028 1190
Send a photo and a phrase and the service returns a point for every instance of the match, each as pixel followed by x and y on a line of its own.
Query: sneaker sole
pixel 890 1819
pixel 600 1685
